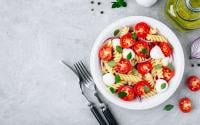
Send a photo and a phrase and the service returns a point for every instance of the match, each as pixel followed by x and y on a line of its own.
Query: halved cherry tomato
pixel 142 29
pixel 141 49
pixel 126 41
pixel 144 67
pixel 167 73
pixel 193 83
pixel 139 88
pixel 105 53
pixel 166 48
pixel 185 104
pixel 123 66
pixel 129 92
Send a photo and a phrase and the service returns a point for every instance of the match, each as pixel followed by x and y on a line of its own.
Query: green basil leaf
pixel 115 5
pixel 119 49
pixel 170 66
pixel 112 63
pixel 134 36
pixel 163 85
pixel 122 94
pixel 112 89
pixel 158 66
pixel 116 32
pixel 168 107
pixel 129 56
pixel 144 51
pixel 124 4
pixel 146 89
pixel 117 78
pixel 135 72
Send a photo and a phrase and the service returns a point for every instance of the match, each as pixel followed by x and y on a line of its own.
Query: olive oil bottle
pixel 183 14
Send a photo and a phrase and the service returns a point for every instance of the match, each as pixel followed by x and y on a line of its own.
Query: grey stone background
pixel 36 89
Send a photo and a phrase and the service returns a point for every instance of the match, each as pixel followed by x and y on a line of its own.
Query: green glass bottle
pixel 183 14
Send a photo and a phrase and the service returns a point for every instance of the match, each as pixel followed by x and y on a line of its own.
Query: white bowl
pixel 154 100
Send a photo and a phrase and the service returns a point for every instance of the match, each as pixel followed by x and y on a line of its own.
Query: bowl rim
pixel 99 84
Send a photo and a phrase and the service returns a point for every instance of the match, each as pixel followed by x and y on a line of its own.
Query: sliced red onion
pixel 195 49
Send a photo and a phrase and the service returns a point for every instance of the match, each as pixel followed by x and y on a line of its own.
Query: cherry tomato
pixel 123 66
pixel 126 41
pixel 167 73
pixel 144 67
pixel 166 48
pixel 142 29
pixel 141 49
pixel 129 92
pixel 139 88
pixel 105 53
pixel 193 83
pixel 185 104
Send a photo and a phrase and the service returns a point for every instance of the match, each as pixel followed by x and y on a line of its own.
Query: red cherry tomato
pixel 193 83
pixel 141 49
pixel 166 48
pixel 126 41
pixel 129 92
pixel 185 104
pixel 144 67
pixel 105 53
pixel 142 29
pixel 139 88
pixel 123 66
pixel 167 73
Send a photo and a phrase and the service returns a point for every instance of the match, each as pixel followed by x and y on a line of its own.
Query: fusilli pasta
pixel 156 38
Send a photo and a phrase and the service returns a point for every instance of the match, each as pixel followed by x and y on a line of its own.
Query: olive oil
pixel 183 14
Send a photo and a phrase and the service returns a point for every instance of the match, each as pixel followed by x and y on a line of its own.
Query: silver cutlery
pixel 89 83
pixel 91 105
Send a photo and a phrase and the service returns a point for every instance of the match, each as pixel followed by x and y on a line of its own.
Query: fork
pixel 89 83
pixel 91 105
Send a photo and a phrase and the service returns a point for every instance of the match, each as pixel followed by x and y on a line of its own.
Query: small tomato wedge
pixel 123 66
pixel 142 29
pixel 167 73
pixel 128 93
pixel 105 53
pixel 141 49
pixel 185 104
pixel 141 88
pixel 166 48
pixel 193 83
pixel 126 41
pixel 144 67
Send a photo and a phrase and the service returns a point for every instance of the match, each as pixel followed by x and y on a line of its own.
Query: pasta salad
pixel 136 62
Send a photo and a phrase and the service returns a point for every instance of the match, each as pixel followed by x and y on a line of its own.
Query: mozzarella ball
pixel 156 53
pixel 126 52
pixel 161 85
pixel 108 79
pixel 115 42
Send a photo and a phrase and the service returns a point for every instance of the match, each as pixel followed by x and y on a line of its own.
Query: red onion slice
pixel 195 49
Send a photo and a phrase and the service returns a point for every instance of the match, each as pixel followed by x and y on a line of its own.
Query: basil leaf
pixel 163 85
pixel 116 32
pixel 158 66
pixel 122 94
pixel 168 107
pixel 146 89
pixel 116 5
pixel 111 63
pixel 112 89
pixel 144 51
pixel 170 66
pixel 119 49
pixel 135 72
pixel 134 36
pixel 117 78
pixel 129 56
pixel 124 4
